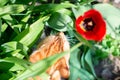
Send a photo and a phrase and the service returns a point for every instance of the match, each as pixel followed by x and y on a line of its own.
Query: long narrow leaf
pixel 112 17
pixel 4 27
pixel 88 59
pixel 53 7
pixel 13 45
pixel 3 2
pixel 41 66
pixel 0 27
pixel 80 38
pixel 14 48
pixel 10 21
pixel 29 35
pixel 17 61
pixel 19 64
pixel 80 9
pixel 10 9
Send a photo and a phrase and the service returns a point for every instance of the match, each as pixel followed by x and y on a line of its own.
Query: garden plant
pixel 59 40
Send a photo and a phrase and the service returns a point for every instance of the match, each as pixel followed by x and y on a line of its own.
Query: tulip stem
pixel 76 46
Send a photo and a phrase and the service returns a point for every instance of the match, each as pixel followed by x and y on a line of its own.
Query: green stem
pixel 76 46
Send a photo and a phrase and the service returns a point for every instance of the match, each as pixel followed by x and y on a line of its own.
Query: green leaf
pixel 80 9
pixel 80 38
pixel 75 74
pixel 26 17
pixel 83 60
pixel 17 67
pixel 86 74
pixel 14 48
pixel 85 1
pixel 22 24
pixel 11 9
pixel 10 21
pixel 88 59
pixel 44 76
pixel 9 46
pixel 64 11
pixel 112 17
pixel 18 62
pixel 20 1
pixel 75 65
pixel 81 74
pixel 4 27
pixel 59 21
pixel 31 34
pixel 4 66
pixel 15 64
pixel 0 28
pixel 13 45
pixel 74 59
pixel 52 7
pixel 5 75
pixel 15 53
pixel 13 23
pixel 42 65
pixel 76 70
pixel 3 2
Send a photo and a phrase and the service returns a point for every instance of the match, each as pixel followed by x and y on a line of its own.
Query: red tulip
pixel 91 25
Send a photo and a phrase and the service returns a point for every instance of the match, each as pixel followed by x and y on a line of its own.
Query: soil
pixel 109 68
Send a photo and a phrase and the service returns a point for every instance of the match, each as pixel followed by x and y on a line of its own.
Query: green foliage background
pixel 23 21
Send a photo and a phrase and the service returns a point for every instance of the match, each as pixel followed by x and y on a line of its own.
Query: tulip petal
pixel 99 30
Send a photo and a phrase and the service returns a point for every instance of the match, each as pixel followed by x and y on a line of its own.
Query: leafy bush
pixel 22 23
